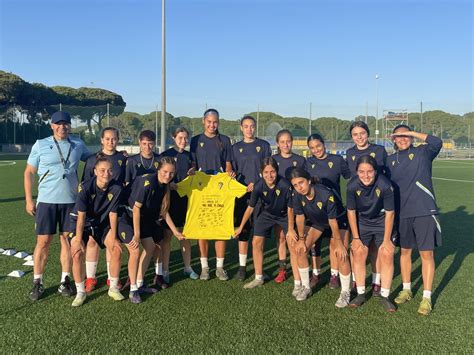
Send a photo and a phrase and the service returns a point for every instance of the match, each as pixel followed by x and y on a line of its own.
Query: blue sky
pixel 235 55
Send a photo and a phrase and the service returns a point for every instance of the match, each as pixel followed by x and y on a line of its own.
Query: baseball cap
pixel 60 116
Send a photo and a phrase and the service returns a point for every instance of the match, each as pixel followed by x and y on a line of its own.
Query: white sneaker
pixel 254 283
pixel 79 299
pixel 304 293
pixel 296 290
pixel 343 300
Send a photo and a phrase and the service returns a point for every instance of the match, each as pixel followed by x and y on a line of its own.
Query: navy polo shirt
pixel 118 166
pixel 247 159
pixel 211 153
pixel 374 150
pixel 286 163
pixel 274 201
pixel 329 171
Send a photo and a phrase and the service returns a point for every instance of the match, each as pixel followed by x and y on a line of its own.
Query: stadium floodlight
pixel 163 78
pixel 376 108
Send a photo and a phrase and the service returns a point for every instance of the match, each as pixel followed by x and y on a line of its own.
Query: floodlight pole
pixel 376 108
pixel 421 116
pixel 310 114
pixel 163 78
pixel 258 116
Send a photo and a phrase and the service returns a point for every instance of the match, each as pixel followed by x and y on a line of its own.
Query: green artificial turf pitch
pixel 217 317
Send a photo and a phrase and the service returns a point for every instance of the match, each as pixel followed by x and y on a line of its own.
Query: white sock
pixel 297 283
pixel 159 268
pixel 360 290
pixel 220 262
pixel 204 263
pixel 304 274
pixel 427 294
pixel 133 287
pixel 385 292
pixel 139 283
pixel 80 286
pixel 259 277
pixel 345 282
pixel 407 286
pixel 114 282
pixel 353 277
pixel 108 270
pixel 91 268
pixel 38 276
pixel 316 271
pixel 376 278
pixel 334 272
pixel 63 276
pixel 242 259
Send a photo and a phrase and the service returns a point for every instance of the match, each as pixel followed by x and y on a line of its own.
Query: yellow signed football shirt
pixel 211 200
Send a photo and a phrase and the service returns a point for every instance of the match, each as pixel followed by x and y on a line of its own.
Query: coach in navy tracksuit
pixel 248 155
pixel 410 169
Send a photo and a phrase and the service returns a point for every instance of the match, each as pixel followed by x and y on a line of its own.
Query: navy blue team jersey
pixel 138 166
pixel 97 203
pixel 211 153
pixel 410 171
pixel 118 166
pixel 371 202
pixel 247 159
pixel 374 150
pixel 286 163
pixel 149 192
pixel 274 201
pixel 324 206
pixel 183 161
pixel 329 171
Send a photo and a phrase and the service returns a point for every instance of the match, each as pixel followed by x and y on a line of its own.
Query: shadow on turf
pixel 456 226
pixel 15 199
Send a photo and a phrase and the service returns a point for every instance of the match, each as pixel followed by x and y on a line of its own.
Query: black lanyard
pixel 63 161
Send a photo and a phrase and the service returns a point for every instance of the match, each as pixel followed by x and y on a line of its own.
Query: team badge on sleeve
pixel 411 156
pixel 377 192
pixel 320 205
pixel 372 155
pixel 330 164
pixel 110 196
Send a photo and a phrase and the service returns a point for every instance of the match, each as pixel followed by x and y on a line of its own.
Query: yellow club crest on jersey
pixel 377 192
pixel 93 196
pixel 303 203
pixel 220 185
pixel 372 155
pixel 176 159
pixel 264 193
pixel 353 157
pixel 331 198
pixel 70 235
pixel 411 156
pixel 119 162
pixel 201 144
pixel 320 205
pixel 123 235
pixel 393 163
pixel 241 150
pixel 358 192
pixel 294 163
pixel 330 164
pixel 110 197
pixel 79 188
pixel 391 188
pixel 258 149
pixel 156 164
pixel 146 183
pixel 277 192
pixel 312 166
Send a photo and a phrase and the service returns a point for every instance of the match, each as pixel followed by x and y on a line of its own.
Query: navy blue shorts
pixel 316 250
pixel 327 233
pixel 49 215
pixel 241 205
pixel 98 233
pixel 147 230
pixel 422 233
pixel 264 223
pixel 177 211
